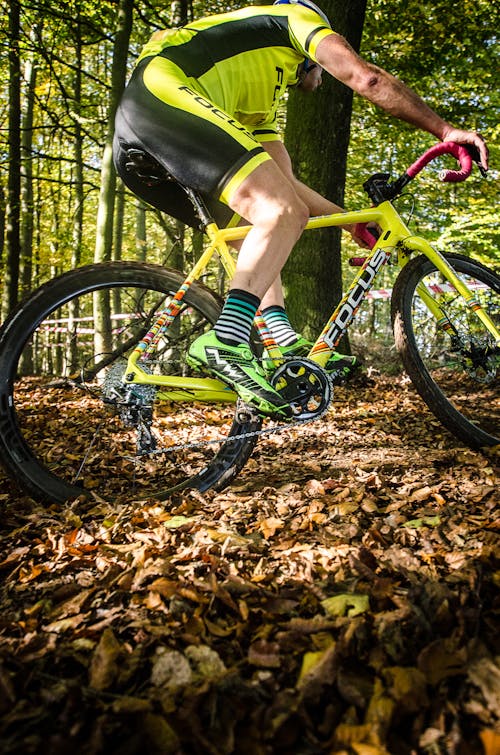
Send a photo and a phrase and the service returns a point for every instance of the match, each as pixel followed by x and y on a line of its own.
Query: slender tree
pixel 104 232
pixel 317 136
pixel 27 204
pixel 13 255
pixel 78 179
pixel 2 222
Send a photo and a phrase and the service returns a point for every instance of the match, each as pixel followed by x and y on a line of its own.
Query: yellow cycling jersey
pixel 244 60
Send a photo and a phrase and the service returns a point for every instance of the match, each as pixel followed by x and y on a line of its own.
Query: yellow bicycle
pixel 95 392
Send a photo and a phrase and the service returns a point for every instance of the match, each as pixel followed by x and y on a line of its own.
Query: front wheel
pixel 454 362
pixel 68 427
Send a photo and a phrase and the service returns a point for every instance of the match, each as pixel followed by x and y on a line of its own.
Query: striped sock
pixel 278 323
pixel 235 322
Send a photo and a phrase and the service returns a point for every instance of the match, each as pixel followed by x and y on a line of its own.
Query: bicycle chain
pixel 240 436
pixel 230 439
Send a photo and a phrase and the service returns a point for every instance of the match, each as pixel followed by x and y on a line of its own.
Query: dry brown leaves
pixel 342 597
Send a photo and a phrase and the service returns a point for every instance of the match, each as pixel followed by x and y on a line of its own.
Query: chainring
pixel 306 386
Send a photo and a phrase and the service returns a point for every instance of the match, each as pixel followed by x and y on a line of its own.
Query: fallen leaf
pixel 346 604
pixel 104 666
pixel 264 654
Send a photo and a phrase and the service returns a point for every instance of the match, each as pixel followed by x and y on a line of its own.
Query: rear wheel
pixel 457 370
pixel 68 426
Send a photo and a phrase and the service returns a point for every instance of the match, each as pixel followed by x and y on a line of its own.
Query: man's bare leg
pixel 272 303
pixel 316 204
pixel 278 215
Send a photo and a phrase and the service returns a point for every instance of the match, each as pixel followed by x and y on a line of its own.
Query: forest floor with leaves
pixel 340 597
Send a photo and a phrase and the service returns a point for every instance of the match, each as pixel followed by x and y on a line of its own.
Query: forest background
pixel 63 67
pixel 343 596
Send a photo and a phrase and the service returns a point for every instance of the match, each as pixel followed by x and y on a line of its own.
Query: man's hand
pixel 364 234
pixel 469 137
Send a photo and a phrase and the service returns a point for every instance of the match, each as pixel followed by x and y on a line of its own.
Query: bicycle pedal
pixel 357 261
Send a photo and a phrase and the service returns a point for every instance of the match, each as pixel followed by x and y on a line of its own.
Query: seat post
pixel 199 206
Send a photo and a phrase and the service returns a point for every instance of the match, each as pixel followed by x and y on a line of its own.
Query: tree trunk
pixel 179 12
pixel 77 235
pixel 27 203
pixel 104 232
pixel 78 177
pixel 317 137
pixel 108 176
pixel 119 217
pixel 2 222
pixel 13 254
pixel 140 230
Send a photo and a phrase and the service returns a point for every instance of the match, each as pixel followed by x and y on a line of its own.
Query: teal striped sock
pixel 278 323
pixel 235 322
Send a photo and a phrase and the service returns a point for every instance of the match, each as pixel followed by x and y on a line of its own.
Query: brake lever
pixel 474 153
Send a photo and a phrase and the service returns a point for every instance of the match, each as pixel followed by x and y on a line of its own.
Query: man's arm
pixel 336 56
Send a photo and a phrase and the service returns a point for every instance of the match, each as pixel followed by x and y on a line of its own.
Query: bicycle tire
pixel 457 374
pixel 52 384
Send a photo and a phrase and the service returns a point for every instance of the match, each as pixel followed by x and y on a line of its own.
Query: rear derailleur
pixel 134 404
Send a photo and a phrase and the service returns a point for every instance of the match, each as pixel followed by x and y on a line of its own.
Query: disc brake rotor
pixel 481 361
pixel 305 386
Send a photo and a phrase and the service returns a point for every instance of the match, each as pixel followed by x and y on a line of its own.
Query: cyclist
pixel 202 103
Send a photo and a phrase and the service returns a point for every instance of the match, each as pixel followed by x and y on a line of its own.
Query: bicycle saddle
pixel 146 168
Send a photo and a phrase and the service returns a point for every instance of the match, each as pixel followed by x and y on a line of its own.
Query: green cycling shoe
pixel 237 367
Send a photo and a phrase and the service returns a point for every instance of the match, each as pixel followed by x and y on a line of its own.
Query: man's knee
pixel 280 211
pixel 291 214
pixel 267 198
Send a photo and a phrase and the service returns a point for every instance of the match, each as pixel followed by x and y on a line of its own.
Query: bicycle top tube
pixel 380 189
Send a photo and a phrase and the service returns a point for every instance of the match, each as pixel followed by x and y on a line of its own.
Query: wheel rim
pixel 464 361
pixel 68 401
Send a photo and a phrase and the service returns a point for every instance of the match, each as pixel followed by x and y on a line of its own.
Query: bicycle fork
pixel 470 298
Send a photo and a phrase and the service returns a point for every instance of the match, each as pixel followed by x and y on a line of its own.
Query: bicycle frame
pixel 395 240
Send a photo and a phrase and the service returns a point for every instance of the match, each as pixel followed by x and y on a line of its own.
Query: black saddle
pixel 146 168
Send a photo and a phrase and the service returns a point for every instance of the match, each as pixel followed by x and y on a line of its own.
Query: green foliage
pixel 447 51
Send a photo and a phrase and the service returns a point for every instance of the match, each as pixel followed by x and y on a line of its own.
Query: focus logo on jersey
pixel 209 106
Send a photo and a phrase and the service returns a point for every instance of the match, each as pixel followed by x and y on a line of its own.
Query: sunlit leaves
pixel 373 626
pixel 448 53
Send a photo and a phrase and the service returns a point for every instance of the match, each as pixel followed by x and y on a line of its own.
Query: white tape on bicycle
pixel 380 293
pixel 441 288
